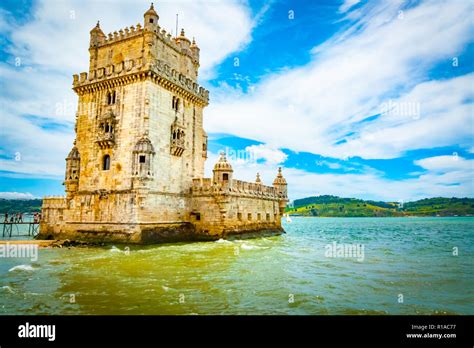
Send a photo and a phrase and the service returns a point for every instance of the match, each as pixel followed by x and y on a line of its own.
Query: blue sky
pixel 364 99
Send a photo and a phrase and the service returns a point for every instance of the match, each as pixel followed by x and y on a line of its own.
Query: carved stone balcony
pixel 105 140
pixel 177 147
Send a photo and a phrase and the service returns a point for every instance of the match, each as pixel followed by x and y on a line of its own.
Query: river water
pixel 408 266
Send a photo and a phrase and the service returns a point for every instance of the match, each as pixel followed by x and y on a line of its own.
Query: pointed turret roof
pixel 151 11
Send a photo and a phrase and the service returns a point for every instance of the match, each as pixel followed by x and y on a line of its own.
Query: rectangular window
pixel 259 216
pixel 225 176
pixel 239 216
pixel 142 159
pixel 249 216
pixel 198 216
pixel 268 217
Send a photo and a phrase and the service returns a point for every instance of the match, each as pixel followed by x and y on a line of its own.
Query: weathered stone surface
pixel 135 172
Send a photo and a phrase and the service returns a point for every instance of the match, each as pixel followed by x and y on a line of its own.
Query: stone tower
pixel 135 169
pixel 141 89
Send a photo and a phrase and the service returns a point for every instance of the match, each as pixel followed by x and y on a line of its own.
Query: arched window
pixel 111 98
pixel 175 104
pixel 106 162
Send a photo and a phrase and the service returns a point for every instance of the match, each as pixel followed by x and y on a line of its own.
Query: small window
pixel 175 104
pixel 106 162
pixel 249 216
pixel 111 98
pixel 225 176
pixel 198 216
pixel 259 216
pixel 142 159
pixel 268 217
pixel 151 20
pixel 239 216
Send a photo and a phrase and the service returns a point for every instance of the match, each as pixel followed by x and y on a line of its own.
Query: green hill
pixel 20 205
pixel 333 206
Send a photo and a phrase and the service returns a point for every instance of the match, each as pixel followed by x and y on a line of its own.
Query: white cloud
pixel 380 57
pixel 16 195
pixel 331 165
pixel 58 35
pixel 444 164
pixel 268 154
pixel 347 5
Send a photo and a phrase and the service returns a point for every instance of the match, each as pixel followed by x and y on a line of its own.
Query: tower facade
pixel 140 144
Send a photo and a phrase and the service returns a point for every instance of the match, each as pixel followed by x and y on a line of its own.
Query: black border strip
pixel 225 330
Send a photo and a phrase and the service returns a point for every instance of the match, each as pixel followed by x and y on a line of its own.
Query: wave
pixel 114 249
pixel 225 241
pixel 246 246
pixel 9 289
pixel 28 268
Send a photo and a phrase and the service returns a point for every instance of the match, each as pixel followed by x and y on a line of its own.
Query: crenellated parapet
pixel 150 32
pixel 54 202
pixel 135 69
pixel 206 186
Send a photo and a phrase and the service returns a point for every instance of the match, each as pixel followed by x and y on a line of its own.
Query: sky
pixel 365 99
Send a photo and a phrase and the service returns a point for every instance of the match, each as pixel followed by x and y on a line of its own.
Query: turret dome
pixel 182 37
pixel 279 180
pixel 73 154
pixel 222 164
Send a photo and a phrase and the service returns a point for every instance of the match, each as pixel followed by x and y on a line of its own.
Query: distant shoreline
pixel 333 206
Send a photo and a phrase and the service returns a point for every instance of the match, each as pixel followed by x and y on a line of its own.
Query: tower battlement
pixel 149 42
pixel 134 69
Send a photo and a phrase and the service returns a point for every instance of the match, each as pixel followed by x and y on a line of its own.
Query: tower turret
pixel 222 172
pixel 73 161
pixel 97 36
pixel 151 19
pixel 183 41
pixel 280 184
pixel 195 50
pixel 258 180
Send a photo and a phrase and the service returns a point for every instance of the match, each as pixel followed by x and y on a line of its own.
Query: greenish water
pixel 408 256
